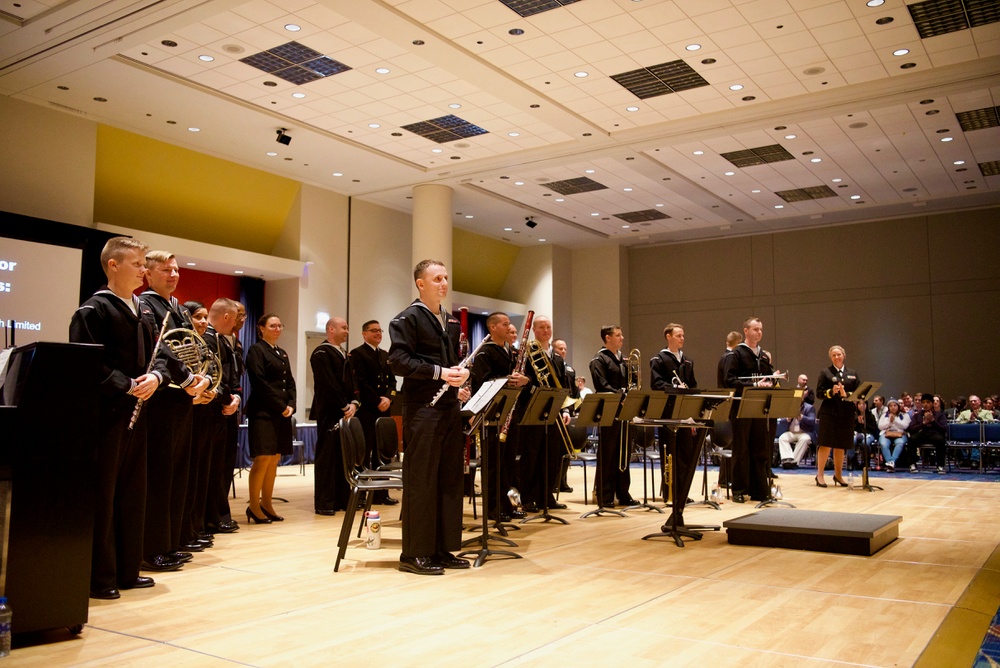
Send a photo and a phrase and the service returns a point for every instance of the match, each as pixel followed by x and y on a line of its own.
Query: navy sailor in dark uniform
pixel 836 416
pixel 424 352
pixel 609 374
pixel 376 391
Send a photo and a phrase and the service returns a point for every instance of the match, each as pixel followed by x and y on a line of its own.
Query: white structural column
pixel 432 225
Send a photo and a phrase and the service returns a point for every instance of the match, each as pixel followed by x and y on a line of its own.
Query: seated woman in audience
pixel 892 434
pixel 990 404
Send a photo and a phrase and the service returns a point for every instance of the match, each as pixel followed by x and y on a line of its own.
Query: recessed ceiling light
pixel 736 87
pixel 730 173
pixel 271 153
pixel 755 191
pixel 374 126
pixel 631 108
pixel 947 139
pixel 855 196
pixel 625 227
pixel 382 70
pixel 238 271
pixel 206 58
pixel 699 153
pixel 437 150
pixel 515 32
pixel 658 205
pixel 779 206
pixel 298 96
pixel 192 264
pixel 513 134
pixel 455 105
pixel 541 240
pixel 589 171
pixel 581 75
pixel 470 216
pixel 595 214
pixel 628 190
pixel 816 160
pixel 338 174
pixel 959 162
pixel 875 3
pixel 560 199
pixel 518 183
pixel 507 229
pixel 837 180
pixel 790 136
pixel 291 27
pixel 693 47
pixel 194 129
pixel 900 52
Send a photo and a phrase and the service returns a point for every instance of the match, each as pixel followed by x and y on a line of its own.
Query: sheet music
pixel 485 395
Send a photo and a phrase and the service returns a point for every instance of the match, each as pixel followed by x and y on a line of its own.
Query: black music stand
pixel 599 409
pixel 686 410
pixel 543 409
pixel 861 393
pixel 770 403
pixel 639 404
pixel 493 402
pixel 725 407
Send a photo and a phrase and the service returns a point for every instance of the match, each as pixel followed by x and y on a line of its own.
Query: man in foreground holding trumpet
pixel 424 352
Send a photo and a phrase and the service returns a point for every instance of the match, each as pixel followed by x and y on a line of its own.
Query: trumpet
pixel 765 376
pixel 677 382
pixel 546 375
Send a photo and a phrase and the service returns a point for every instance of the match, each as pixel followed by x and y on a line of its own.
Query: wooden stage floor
pixel 590 593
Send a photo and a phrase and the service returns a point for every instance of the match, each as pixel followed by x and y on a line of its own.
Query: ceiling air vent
pixel 758 156
pixel 574 186
pixel 661 79
pixel 641 216
pixel 445 129
pixel 532 7
pixel 803 194
pixel 295 63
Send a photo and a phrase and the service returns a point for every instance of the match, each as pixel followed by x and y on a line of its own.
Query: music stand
pixel 725 407
pixel 599 410
pixel 861 393
pixel 639 404
pixel 689 409
pixel 770 403
pixel 493 402
pixel 543 409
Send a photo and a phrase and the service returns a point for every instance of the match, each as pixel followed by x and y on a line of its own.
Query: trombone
pixel 633 381
pixel 546 375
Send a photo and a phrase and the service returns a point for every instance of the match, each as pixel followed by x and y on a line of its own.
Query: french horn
pixel 194 352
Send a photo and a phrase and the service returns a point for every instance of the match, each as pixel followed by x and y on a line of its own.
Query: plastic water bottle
pixel 5 615
pixel 716 493
pixel 373 522
pixel 850 480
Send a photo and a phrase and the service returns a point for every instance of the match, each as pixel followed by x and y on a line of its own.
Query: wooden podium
pixel 48 419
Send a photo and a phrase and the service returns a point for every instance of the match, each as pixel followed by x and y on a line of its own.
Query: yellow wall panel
pixel 480 264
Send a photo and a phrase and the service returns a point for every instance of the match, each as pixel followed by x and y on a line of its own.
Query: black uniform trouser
pixel 751 453
pixel 168 449
pixel 203 429
pixel 120 503
pixel 231 447
pixel 612 481
pixel 499 471
pixel 432 478
pixel 330 488
pixel 217 478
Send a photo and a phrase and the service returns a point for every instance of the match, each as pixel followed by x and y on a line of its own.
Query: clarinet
pixel 152 359
pixel 522 356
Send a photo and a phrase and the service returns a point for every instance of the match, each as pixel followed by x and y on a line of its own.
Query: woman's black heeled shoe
pixel 256 520
pixel 838 481
pixel 272 517
pixel 818 484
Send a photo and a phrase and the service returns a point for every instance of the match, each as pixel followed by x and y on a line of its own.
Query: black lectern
pixel 47 456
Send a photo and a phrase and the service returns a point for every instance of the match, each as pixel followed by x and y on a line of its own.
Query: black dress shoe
pixel 530 508
pixel 628 503
pixel 272 516
pixel 329 513
pixel 738 497
pixel 420 566
pixel 229 526
pixel 108 594
pixel 140 582
pixel 449 560
pixel 557 506
pixel 206 535
pixel 182 557
pixel 160 562
pixel 518 514
pixel 193 547
pixel 566 489
pixel 388 501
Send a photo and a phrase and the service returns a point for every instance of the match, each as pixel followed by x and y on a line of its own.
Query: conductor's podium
pixel 48 423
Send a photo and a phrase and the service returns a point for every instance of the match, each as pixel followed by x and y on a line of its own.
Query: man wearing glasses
pixel 376 390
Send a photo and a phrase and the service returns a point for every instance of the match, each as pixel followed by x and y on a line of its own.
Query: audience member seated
pixel 958 404
pixel 906 403
pixel 927 427
pixel 990 404
pixel 975 412
pixel 878 407
pixel 801 433
pixel 892 434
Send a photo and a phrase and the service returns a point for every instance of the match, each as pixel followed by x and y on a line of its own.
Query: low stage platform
pixel 814 530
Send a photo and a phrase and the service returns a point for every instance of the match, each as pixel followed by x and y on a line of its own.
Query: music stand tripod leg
pixel 484 538
pixel 707 501
pixel 601 510
pixel 678 533
pixel 545 516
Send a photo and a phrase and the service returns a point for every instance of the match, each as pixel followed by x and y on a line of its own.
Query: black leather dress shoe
pixel 329 513
pixel 518 514
pixel 566 489
pixel 109 594
pixel 141 582
pixel 160 562
pixel 182 557
pixel 530 508
pixel 420 566
pixel 193 547
pixel 557 506
pixel 228 527
pixel 449 560
pixel 738 497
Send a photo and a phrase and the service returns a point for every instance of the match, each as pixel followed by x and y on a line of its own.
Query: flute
pixel 156 349
pixel 461 365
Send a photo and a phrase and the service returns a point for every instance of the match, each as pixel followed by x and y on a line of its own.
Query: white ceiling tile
pixel 574 38
pixel 824 81
pixel 779 78
pixel 614 66
pixel 213 79
pixel 261 38
pixel 701 7
pixel 679 32
pixel 889 39
pixel 837 31
pixel 988 48
pixel 847 47
pixel 598 52
pixel 792 43
pixel 723 19
pixel 322 17
pixel 454 26
pixel 762 65
pixel 229 23
pixel 425 10
pixel 861 75
pixel 949 41
pixel 539 46
pixel 797 61
pixel 779 27
pixel 828 14
pixel 492 14
pixel 736 37
pixel 756 10
pixel 654 15
pixel 259 11
pixel 621 25
pixel 858 61
pixel 780 91
pixel 292 5
pixel 638 43
pixel 953 56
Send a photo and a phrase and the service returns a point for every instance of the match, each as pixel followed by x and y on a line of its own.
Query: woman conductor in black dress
pixel 836 416
pixel 269 411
